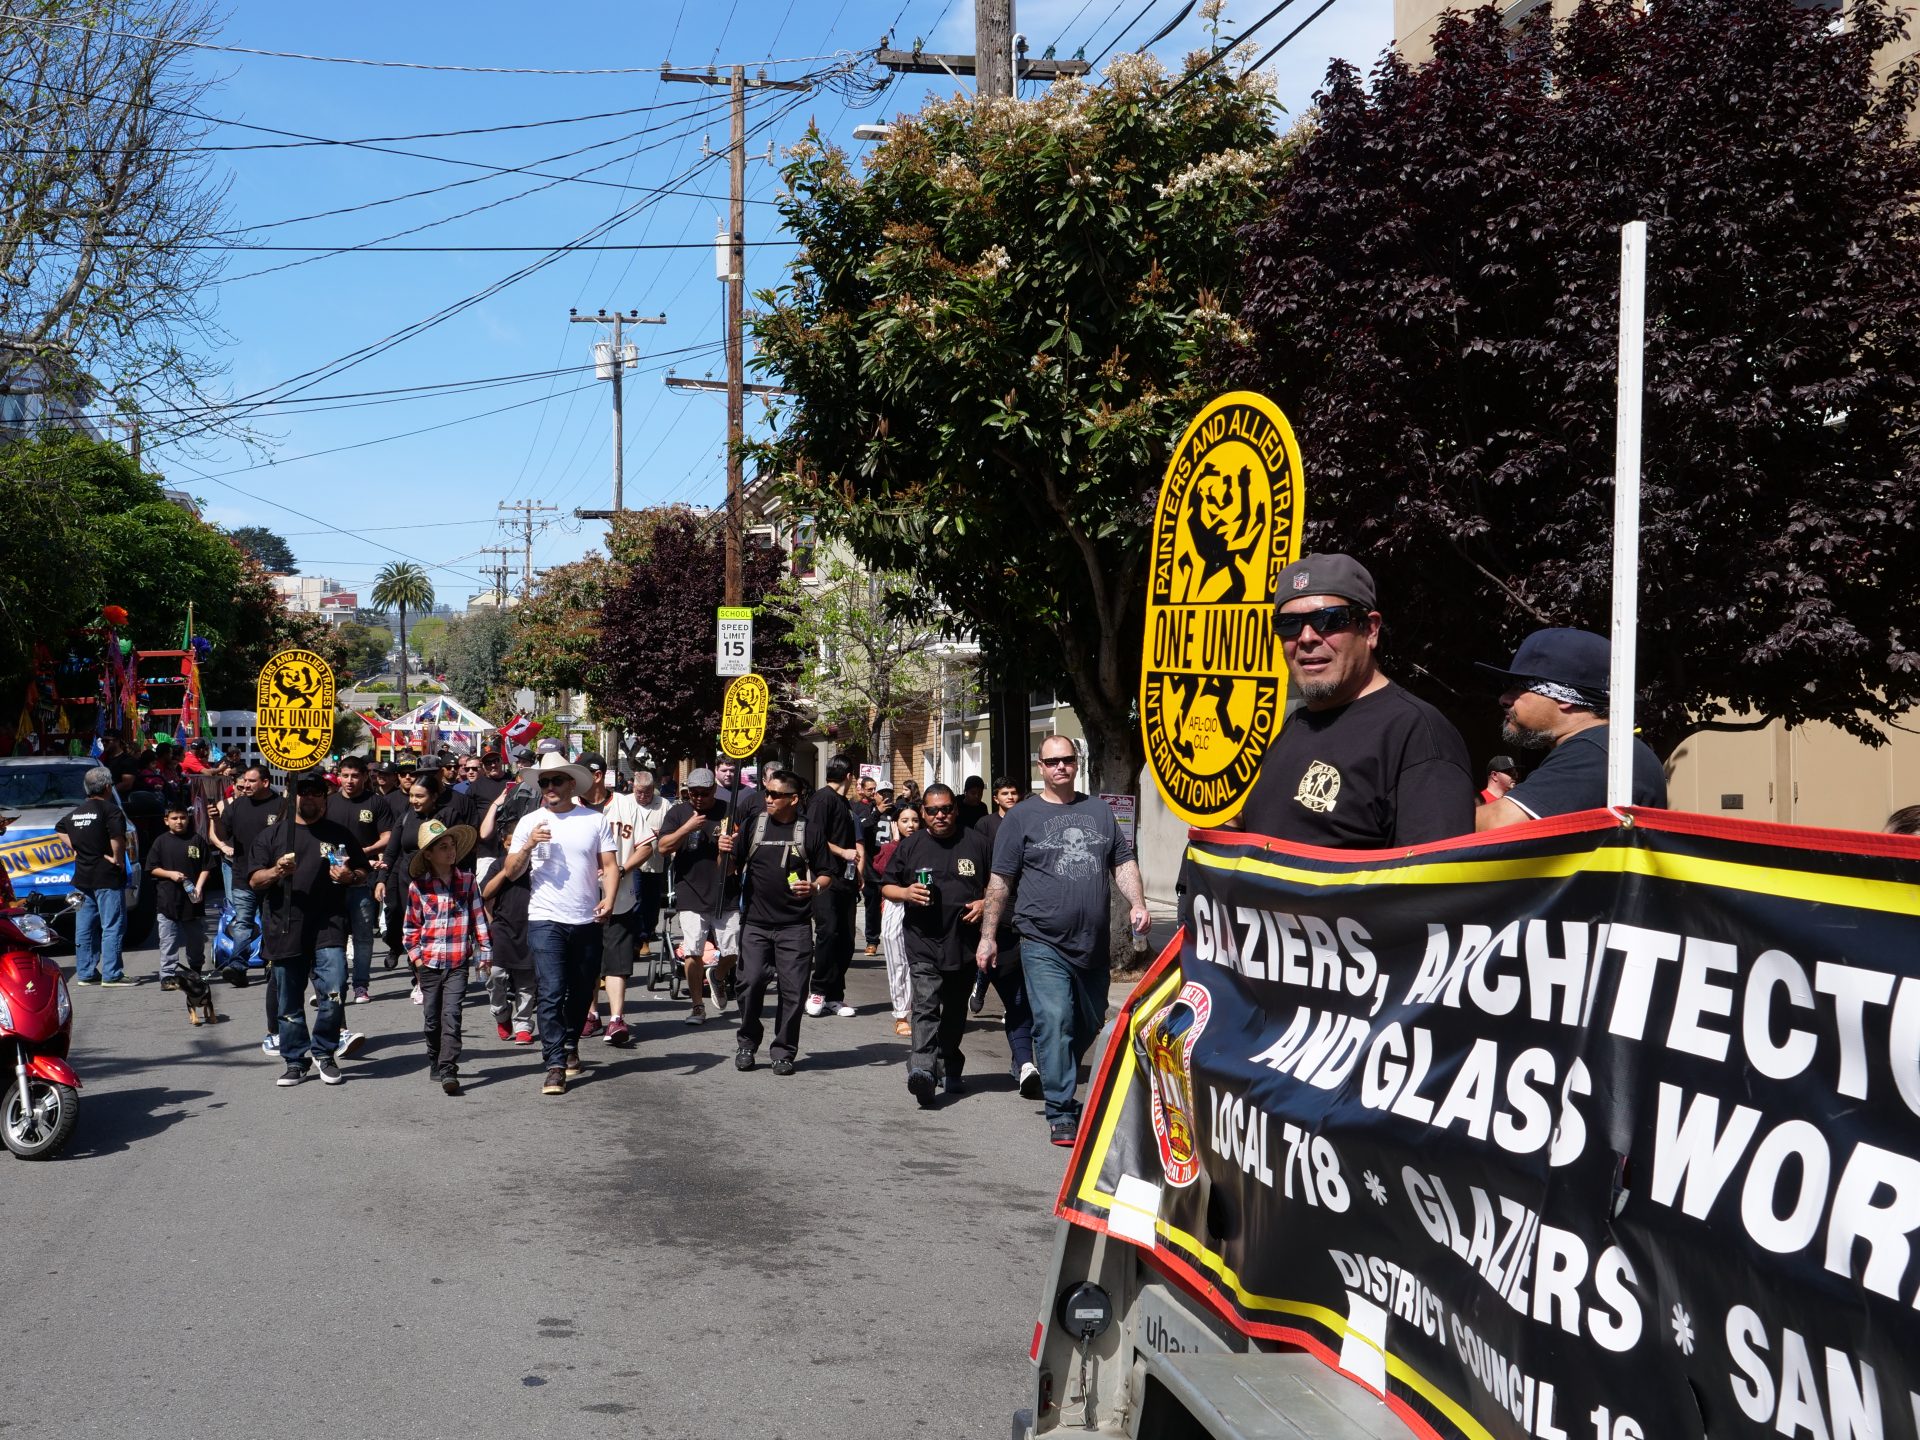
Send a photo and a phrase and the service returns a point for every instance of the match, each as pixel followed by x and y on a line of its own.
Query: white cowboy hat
pixel 556 764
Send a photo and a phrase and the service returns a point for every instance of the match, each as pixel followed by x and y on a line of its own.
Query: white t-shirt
pixel 566 869
pixel 623 822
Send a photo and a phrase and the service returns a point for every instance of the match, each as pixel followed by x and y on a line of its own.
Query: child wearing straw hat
pixel 445 927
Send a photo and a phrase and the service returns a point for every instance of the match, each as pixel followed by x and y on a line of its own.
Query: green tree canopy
pixel 994 339
pixel 266 547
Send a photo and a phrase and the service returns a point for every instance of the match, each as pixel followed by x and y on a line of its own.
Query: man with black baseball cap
pixel 1362 764
pixel 1555 695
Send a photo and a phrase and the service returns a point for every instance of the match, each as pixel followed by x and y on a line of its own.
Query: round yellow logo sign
pixel 1229 521
pixel 743 716
pixel 293 705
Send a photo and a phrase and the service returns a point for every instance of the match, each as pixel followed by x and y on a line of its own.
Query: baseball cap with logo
pixel 593 762
pixel 1340 575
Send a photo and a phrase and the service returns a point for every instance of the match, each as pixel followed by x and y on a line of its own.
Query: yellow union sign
pixel 293 710
pixel 743 716
pixel 1228 521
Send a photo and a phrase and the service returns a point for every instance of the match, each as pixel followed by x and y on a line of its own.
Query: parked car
pixel 40 790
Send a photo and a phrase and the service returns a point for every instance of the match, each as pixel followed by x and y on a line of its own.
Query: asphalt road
pixel 672 1249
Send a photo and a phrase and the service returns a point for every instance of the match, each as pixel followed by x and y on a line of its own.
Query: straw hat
pixel 431 834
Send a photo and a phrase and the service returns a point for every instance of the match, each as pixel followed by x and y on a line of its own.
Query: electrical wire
pixel 1154 39
pixel 1222 51
pixel 178 42
pixel 1287 39
pixel 560 248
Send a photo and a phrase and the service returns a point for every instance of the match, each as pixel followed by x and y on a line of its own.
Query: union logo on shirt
pixel 964 867
pixel 1319 788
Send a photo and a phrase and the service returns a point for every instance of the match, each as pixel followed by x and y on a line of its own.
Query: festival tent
pixel 436 721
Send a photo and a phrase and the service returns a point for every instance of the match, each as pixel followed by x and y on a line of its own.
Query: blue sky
pixel 432 497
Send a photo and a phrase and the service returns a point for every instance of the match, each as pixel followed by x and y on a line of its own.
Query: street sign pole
pixel 1626 513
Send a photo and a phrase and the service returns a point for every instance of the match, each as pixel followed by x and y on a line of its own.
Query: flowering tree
pixel 992 342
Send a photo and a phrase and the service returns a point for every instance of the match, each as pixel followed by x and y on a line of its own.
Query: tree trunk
pixel 404 705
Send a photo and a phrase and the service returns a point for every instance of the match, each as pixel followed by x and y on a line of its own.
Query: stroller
pixel 235 968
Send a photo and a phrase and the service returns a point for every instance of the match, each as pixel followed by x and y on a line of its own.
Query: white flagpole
pixel 1626 512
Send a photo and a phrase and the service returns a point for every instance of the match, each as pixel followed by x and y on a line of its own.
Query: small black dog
pixel 199 996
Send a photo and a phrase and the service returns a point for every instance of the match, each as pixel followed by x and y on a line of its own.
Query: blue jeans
pixel 246 918
pixel 98 927
pixel 566 969
pixel 326 970
pixel 1069 1008
pixel 361 914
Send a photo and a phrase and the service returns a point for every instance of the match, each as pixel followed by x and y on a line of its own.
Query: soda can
pixel 923 876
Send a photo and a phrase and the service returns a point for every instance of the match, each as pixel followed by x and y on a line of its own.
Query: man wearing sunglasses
pixel 786 864
pixel 1055 852
pixel 1362 764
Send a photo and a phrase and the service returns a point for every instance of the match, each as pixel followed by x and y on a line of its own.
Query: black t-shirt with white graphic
pixel 365 819
pixel 935 934
pixel 1384 771
pixel 306 911
pixel 91 828
pixel 190 854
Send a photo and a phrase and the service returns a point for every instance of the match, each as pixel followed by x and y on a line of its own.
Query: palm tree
pixel 398 585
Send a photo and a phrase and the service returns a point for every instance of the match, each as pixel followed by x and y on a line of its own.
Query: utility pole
pixel 992 62
pixel 732 242
pixel 523 513
pixel 498 571
pixel 993 46
pixel 610 369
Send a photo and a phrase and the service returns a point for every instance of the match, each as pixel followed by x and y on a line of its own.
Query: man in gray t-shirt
pixel 1051 860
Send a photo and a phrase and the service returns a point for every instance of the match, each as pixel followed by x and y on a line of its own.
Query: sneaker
pixel 618 1035
pixel 120 982
pixel 329 1069
pixel 1062 1132
pixel 292 1075
pixel 360 995
pixel 952 1083
pixel 523 1037
pixel 697 1014
pixel 716 992
pixel 234 975
pixel 977 997
pixel 350 1043
pixel 270 1045
pixel 873 949
pixel 816 1004
pixel 783 1067
pixel 743 1059
pixel 414 995
pixel 555 1083
pixel 920 1085
pixel 1030 1087
pixel 501 1026
pixel 841 1008
pixel 450 1081
pixel 574 1067
pixel 591 1026
pixel 167 983
pixel 89 980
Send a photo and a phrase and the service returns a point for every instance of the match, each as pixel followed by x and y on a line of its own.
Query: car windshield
pixel 42 787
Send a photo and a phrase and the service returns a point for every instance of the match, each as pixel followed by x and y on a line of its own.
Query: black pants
pixel 779 955
pixel 939 1017
pixel 440 994
pixel 832 940
pixel 873 898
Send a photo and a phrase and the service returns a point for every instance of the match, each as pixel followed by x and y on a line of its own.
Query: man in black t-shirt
pixel 362 814
pixel 706 890
pixel 830 816
pixel 785 864
pixel 1362 764
pixel 939 874
pixel 973 802
pixel 98 833
pixel 178 862
pixel 867 820
pixel 304 874
pixel 1555 696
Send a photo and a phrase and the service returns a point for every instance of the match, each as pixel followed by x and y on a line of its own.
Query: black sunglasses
pixel 550 780
pixel 783 794
pixel 1059 759
pixel 936 809
pixel 1330 621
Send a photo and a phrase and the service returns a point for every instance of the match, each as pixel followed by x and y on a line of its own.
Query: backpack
pixel 759 834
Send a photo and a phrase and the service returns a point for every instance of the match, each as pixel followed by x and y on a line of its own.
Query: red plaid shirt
pixel 445 922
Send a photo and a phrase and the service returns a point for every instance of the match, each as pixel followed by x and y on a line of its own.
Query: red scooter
pixel 40 1104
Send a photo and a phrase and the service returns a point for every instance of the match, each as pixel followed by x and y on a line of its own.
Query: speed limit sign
pixel 734 654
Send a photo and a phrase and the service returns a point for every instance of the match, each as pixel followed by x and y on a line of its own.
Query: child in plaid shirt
pixel 445 925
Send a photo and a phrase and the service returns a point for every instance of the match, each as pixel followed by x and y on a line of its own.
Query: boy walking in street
pixel 178 862
pixel 445 927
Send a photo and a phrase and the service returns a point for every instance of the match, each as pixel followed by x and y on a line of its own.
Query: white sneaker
pixel 415 996
pixel 816 1005
pixel 715 996
pixel 350 1041
pixel 1030 1081
pixel 840 1007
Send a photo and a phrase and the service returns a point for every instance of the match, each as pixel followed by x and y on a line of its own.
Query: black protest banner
pixel 1602 1132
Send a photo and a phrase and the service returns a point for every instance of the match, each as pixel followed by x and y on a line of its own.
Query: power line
pixel 1287 39
pixel 1154 39
pixel 176 42
pixel 561 248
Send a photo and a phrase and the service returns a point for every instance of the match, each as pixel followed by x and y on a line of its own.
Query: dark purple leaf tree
pixel 1433 300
